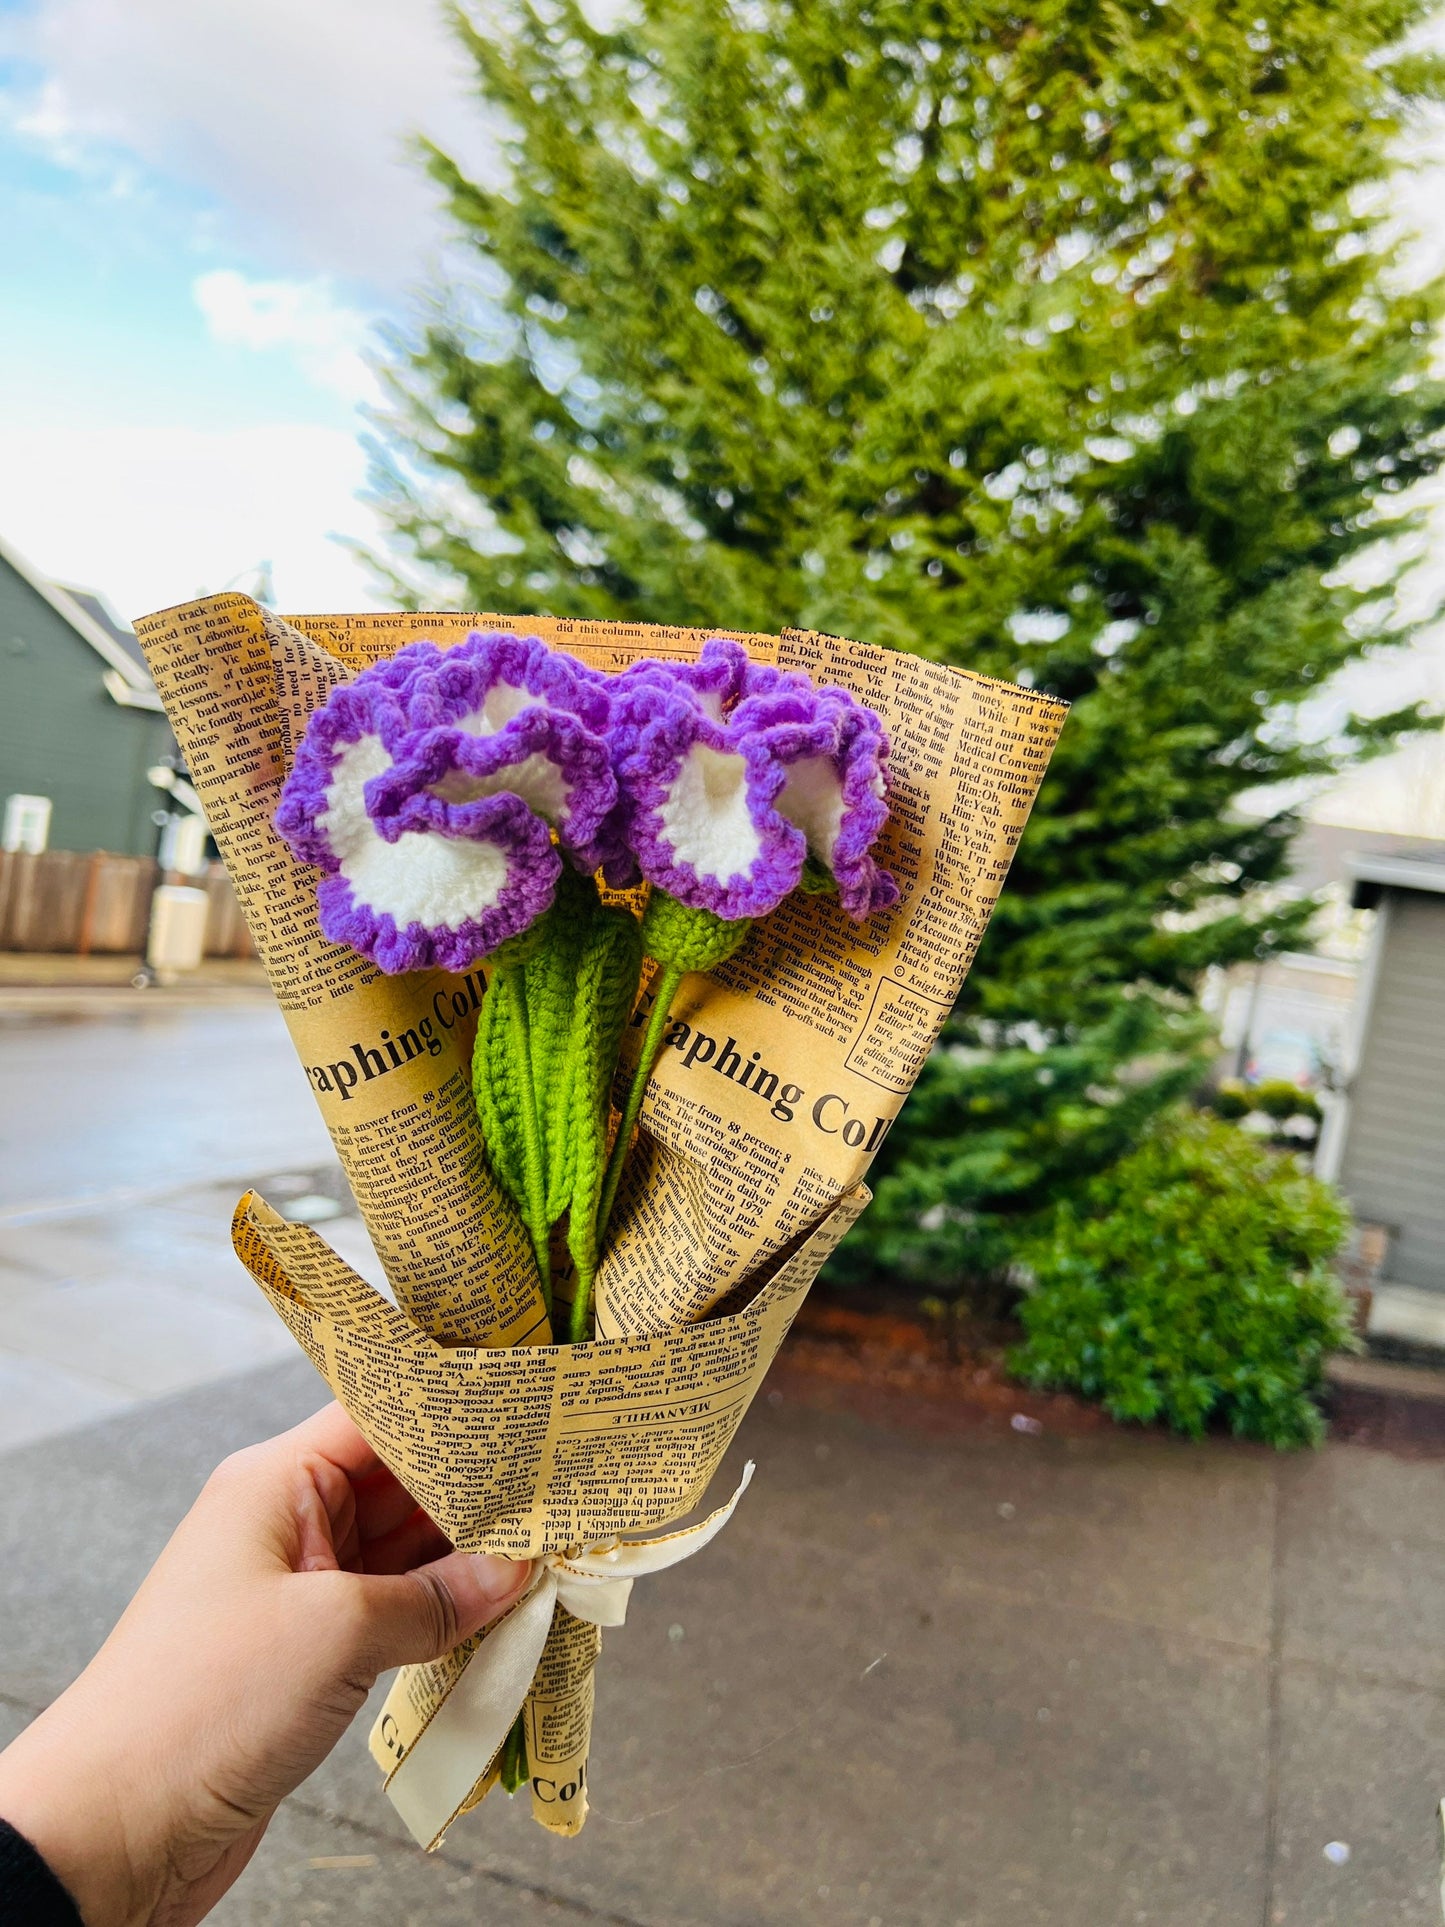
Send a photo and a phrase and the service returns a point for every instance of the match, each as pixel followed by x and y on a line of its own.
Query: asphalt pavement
pixel 126 1136
pixel 1002 1682
pixel 101 1108
pixel 973 1681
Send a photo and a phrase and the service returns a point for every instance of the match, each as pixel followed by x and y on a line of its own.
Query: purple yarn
pixel 533 867
pixel 717 679
pixel 440 884
pixel 370 706
pixel 459 680
pixel 732 771
pixel 498 707
pixel 428 789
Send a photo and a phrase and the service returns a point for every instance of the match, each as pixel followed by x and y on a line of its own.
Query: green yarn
pixel 514 1770
pixel 497 1063
pixel 506 1101
pixel 581 987
pixel 546 1054
pixel 687 939
pixel 817 879
pixel 681 939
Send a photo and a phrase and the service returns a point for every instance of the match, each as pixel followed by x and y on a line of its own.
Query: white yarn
pixel 421 878
pixel 705 817
pixel 812 801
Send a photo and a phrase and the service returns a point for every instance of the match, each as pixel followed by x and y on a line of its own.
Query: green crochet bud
pixel 684 939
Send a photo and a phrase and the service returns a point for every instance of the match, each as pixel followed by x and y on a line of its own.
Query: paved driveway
pixel 1002 1681
pixel 917 1682
pixel 125 1141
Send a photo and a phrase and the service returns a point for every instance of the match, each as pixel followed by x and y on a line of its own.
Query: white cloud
pixel 151 516
pixel 294 119
pixel 326 338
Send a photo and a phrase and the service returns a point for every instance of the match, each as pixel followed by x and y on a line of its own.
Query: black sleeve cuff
pixel 30 1895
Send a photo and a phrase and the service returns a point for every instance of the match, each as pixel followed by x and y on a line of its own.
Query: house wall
pixel 63 737
pixel 1393 1165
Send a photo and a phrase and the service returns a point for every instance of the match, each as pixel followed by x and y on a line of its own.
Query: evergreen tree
pixel 1061 344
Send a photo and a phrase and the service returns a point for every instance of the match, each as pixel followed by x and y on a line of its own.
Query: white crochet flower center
pixel 812 801
pixel 424 878
pixel 502 702
pixel 536 779
pixel 705 817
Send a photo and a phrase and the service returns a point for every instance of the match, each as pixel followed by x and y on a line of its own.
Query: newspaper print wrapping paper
pixel 782 1073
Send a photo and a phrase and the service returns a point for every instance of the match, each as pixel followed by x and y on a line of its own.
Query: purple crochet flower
pixel 443 888
pixel 836 793
pixel 734 773
pixel 718 679
pixel 498 716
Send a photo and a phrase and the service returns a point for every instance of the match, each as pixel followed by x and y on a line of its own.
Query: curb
pixel 1383 1402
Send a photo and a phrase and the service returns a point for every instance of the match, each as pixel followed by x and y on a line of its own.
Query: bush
pixel 1280 1099
pixel 1232 1099
pixel 1191 1283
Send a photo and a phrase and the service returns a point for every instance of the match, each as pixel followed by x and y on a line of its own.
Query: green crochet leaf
pixel 580 984
pixel 498 1063
pixel 553 979
pixel 607 991
pixel 581 987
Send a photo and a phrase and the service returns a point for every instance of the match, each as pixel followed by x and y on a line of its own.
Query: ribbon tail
pixel 436 1776
pixel 444 1752
pixel 603 1602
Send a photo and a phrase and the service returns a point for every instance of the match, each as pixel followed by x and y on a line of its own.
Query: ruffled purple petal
pixel 355 735
pixel 484 682
pixel 716 681
pixel 699 800
pixel 838 796
pixel 436 890
pixel 558 767
pixel 723 814
pixel 446 888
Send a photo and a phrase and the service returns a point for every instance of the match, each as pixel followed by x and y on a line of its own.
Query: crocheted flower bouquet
pixel 463 804
pixel 585 940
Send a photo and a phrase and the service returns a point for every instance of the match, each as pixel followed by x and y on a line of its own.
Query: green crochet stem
pixel 514 1768
pixel 548 1040
pixel 663 994
pixel 681 940
pixel 534 1203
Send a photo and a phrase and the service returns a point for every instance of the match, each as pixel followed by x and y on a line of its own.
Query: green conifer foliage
pixel 1058 342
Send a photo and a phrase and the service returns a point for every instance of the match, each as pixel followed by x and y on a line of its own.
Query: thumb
pixel 422 1615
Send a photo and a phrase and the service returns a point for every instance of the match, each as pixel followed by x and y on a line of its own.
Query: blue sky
pixel 207 209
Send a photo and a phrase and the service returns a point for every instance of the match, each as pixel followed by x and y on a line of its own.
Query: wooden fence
pixel 83 905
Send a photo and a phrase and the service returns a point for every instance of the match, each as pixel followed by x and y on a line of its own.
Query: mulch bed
pixel 877 1357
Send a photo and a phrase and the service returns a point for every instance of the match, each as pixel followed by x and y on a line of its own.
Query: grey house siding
pixel 62 736
pixel 1393 1168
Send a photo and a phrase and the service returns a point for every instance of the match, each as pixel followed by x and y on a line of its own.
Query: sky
pixel 209 207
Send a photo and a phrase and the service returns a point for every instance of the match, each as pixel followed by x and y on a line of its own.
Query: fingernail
pixel 497 1578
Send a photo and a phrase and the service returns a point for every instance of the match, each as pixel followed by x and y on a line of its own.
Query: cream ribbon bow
pixel 467 1730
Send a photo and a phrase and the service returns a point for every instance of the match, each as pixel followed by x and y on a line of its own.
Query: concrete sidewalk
pixel 1002 1681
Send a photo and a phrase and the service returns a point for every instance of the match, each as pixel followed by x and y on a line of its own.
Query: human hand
pixel 302 1572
